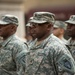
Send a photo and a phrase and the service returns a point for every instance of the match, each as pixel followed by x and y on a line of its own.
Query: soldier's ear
pixel 62 31
pixel 50 25
pixel 13 28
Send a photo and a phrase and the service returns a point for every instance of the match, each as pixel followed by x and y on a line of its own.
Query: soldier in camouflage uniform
pixel 59 30
pixel 48 55
pixel 12 49
pixel 28 25
pixel 71 33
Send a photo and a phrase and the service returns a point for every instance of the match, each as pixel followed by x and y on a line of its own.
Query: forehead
pixel 3 25
pixel 37 24
pixel 69 24
pixel 56 28
pixel 33 23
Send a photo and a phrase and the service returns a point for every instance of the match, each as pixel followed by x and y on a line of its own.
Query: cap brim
pixel 38 21
pixel 69 21
pixel 28 24
pixel 55 26
pixel 3 22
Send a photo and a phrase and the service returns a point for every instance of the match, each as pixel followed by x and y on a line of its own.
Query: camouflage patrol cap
pixel 43 17
pixel 71 19
pixel 8 19
pixel 60 24
pixel 28 24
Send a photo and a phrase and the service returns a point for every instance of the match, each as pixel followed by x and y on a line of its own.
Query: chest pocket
pixel 5 54
pixel 34 60
pixel 6 57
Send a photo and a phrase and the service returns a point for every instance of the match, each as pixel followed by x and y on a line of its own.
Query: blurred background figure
pixel 30 36
pixel 59 30
pixel 71 33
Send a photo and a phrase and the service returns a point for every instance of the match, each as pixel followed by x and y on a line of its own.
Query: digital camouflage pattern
pixel 12 56
pixel 60 24
pixel 43 17
pixel 71 20
pixel 71 47
pixel 50 57
pixel 9 19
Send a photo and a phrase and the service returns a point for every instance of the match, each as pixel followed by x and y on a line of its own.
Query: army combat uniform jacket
pixel 71 47
pixel 50 57
pixel 12 56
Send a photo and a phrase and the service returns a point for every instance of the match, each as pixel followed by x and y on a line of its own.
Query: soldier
pixel 71 33
pixel 48 55
pixel 12 49
pixel 32 39
pixel 28 30
pixel 59 30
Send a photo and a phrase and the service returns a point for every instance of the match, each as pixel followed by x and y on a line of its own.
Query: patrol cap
pixel 43 17
pixel 71 19
pixel 28 24
pixel 8 19
pixel 60 24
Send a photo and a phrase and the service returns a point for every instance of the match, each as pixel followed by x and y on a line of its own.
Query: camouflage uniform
pixel 12 50
pixel 71 42
pixel 12 56
pixel 71 46
pixel 50 57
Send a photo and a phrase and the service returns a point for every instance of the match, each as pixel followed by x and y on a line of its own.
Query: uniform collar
pixel 5 42
pixel 42 44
